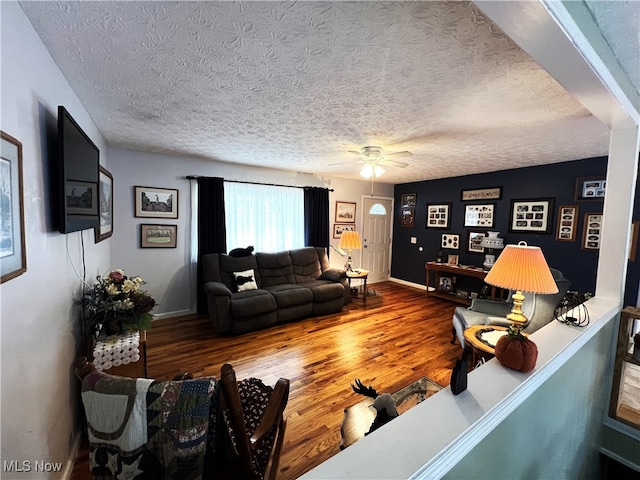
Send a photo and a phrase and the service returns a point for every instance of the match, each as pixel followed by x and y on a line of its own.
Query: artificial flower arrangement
pixel 116 303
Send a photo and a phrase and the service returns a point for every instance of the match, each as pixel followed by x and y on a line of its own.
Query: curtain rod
pixel 195 177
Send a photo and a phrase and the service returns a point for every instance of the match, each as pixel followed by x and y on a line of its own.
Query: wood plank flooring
pixel 396 339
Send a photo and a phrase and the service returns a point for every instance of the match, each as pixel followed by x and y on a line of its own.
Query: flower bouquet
pixel 116 303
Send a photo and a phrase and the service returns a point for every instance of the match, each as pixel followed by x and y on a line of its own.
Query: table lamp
pixel 490 243
pixel 349 241
pixel 521 268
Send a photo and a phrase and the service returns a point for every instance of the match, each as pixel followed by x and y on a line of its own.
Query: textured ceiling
pixel 297 85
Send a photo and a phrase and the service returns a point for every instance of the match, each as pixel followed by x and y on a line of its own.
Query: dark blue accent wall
pixel 557 181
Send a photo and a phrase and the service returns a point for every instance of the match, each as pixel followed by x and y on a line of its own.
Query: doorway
pixel 376 238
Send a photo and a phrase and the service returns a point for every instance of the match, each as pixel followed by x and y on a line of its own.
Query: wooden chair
pixel 248 430
pixel 258 428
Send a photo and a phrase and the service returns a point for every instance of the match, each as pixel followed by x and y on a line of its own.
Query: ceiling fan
pixel 372 159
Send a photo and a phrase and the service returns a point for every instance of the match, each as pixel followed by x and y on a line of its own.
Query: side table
pixel 361 275
pixel 478 347
pixel 135 355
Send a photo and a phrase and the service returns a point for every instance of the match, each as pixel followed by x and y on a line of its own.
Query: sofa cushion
pixel 245 280
pixel 252 302
pixel 305 263
pixel 275 268
pixel 324 291
pixel 228 265
pixel 288 295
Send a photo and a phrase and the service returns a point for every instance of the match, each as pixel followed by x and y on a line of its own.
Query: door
pixel 376 240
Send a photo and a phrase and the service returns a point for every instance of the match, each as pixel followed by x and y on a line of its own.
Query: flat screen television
pixel 78 177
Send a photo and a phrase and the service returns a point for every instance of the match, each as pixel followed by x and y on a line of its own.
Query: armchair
pixel 539 309
pixel 186 428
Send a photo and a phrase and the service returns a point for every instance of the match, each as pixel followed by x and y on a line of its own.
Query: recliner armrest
pixel 216 289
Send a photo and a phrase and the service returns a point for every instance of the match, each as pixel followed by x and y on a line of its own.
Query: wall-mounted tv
pixel 78 177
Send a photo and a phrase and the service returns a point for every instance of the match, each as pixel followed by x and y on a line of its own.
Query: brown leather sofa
pixel 255 291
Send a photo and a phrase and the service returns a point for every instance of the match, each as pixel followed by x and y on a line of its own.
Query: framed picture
pixel 479 215
pixel 338 228
pixel 592 231
pixel 408 200
pixel 532 215
pixel 474 242
pixel 13 254
pixel 493 193
pixel 453 260
pixel 590 189
pixel 345 212
pixel 105 192
pixel 446 284
pixel 450 241
pixel 567 223
pixel 152 202
pixel 407 219
pixel 81 197
pixel 438 215
pixel 158 236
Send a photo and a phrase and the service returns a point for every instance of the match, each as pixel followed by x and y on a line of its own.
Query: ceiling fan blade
pixel 392 163
pixel 350 162
pixel 397 154
pixel 356 152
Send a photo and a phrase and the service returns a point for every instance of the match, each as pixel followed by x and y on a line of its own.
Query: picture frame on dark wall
pixel 633 245
pixel 408 217
pixel 590 189
pixel 567 223
pixel 592 231
pixel 449 240
pixel 105 206
pixel 492 193
pixel 158 236
pixel 481 215
pixel 531 215
pixel 12 241
pixel 408 200
pixel 438 215
pixel 474 242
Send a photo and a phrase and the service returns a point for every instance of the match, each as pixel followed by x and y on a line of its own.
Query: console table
pixel 438 287
pixel 124 355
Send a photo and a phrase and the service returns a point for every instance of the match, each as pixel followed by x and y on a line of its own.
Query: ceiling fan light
pixel 366 171
pixel 371 170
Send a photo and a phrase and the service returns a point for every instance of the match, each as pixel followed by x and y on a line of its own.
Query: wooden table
pixel 435 272
pixel 134 369
pixel 361 275
pixel 480 349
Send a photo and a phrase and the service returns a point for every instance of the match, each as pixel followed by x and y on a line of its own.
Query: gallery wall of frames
pixel 557 207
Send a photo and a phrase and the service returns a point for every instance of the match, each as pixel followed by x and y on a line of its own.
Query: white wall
pixel 39 334
pixel 167 271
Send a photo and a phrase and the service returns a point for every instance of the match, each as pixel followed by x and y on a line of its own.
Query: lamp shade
pixel 522 268
pixel 350 241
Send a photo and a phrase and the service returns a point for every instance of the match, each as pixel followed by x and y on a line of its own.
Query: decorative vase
pixel 517 352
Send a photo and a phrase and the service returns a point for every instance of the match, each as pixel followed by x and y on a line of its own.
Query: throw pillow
pixel 333 274
pixel 245 280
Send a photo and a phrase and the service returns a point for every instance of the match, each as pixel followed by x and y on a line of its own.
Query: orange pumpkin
pixel 516 351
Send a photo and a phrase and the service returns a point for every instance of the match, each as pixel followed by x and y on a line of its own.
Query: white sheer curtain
pixel 268 217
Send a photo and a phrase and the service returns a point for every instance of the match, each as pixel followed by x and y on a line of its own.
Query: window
pixel 268 217
pixel 377 209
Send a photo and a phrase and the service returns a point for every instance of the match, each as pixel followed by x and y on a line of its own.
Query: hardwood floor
pixel 395 340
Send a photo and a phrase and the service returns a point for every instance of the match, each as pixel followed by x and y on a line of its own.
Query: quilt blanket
pixel 147 429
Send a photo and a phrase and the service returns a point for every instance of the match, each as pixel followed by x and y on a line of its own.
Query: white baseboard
pixel 176 313
pixel 408 284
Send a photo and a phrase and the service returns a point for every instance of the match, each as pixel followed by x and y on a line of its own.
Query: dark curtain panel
pixel 212 235
pixel 316 217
